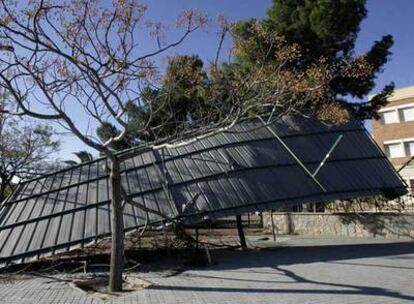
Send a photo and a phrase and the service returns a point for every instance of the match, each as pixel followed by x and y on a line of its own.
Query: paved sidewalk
pixel 310 270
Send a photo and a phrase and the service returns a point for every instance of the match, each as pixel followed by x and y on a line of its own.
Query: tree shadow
pixel 236 261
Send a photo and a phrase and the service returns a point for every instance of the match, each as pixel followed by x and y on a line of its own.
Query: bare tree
pixel 25 148
pixel 83 53
pixel 60 55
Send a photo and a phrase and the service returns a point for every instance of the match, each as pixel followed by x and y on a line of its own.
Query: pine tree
pixel 328 30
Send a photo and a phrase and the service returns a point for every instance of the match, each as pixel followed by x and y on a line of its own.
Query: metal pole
pixel 273 226
pixel 241 232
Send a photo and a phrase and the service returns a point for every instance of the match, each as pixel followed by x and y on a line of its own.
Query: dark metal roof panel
pixel 244 169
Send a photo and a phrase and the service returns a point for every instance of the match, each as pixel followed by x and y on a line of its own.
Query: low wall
pixel 386 225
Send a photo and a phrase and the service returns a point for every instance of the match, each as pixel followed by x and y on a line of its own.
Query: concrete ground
pixel 296 270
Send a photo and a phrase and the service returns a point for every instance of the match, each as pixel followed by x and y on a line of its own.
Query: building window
pixel 409 148
pixel 407 114
pixel 394 150
pixel 390 117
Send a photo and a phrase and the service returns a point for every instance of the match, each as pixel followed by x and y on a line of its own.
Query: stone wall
pixel 386 225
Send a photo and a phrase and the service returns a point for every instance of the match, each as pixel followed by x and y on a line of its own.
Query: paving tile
pixel 335 271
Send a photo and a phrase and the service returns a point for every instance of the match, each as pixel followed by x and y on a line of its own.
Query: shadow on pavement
pixel 236 261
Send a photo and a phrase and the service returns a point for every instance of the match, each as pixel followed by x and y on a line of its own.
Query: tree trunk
pixel 241 232
pixel 117 224
pixel 273 226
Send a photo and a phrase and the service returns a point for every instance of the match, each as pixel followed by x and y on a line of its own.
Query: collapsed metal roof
pixel 248 168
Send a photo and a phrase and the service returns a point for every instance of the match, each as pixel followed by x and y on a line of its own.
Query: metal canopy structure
pixel 251 167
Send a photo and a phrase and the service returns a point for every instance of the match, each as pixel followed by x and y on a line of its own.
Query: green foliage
pixel 300 58
pixel 324 29
pixel 106 131
pixel 83 157
pixel 25 146
pixel 182 99
pixel 5 193
pixel 370 109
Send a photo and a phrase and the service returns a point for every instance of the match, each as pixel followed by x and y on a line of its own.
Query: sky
pixel 384 17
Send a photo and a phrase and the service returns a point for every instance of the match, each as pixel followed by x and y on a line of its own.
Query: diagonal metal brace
pixel 328 154
pixel 292 154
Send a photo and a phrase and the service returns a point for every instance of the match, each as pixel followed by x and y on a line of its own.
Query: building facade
pixel 394 132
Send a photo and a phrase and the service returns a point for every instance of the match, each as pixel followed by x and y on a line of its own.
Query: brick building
pixel 394 132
